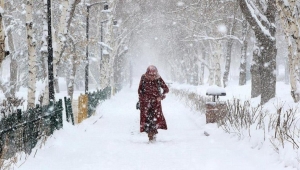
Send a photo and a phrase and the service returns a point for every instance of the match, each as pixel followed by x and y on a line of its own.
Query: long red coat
pixel 148 93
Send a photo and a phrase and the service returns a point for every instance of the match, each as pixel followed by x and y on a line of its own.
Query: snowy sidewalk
pixel 111 140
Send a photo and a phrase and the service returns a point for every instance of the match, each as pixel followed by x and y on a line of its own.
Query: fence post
pixel 58 113
pixel 70 110
pixel 51 111
pixel 28 132
pixel 47 120
pixel 67 109
pixel 90 104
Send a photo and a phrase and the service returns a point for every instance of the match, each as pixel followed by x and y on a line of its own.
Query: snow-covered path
pixel 111 140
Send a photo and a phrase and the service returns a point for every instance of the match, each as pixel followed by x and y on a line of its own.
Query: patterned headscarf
pixel 152 70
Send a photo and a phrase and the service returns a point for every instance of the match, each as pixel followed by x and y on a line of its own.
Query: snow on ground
pixel 110 140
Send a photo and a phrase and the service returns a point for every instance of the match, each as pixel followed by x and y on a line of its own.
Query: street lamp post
pixel 88 6
pixel 87 51
pixel 50 55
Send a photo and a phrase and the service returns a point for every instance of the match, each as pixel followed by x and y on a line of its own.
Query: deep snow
pixel 110 140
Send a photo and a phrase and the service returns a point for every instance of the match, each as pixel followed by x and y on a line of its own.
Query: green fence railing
pixel 68 108
pixel 95 97
pixel 21 131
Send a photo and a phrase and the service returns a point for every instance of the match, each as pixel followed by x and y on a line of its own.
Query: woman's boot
pixel 150 136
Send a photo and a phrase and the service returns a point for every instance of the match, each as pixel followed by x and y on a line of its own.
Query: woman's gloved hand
pixel 161 97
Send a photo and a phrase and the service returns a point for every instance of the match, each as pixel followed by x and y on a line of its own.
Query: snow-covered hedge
pixel 278 128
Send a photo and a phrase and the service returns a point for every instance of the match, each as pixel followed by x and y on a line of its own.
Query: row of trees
pixel 87 39
pixel 211 39
pixel 195 40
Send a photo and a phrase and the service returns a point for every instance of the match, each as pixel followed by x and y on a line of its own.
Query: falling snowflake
pixel 180 3
pixel 222 29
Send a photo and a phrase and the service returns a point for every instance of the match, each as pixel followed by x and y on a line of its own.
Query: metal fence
pixel 21 131
pixel 69 111
pixel 95 97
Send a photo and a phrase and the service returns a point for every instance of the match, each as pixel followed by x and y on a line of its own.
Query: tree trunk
pixel 112 33
pixel 286 71
pixel 255 74
pixel 104 81
pixel 73 63
pixel 201 80
pixel 268 65
pixel 13 63
pixel 131 78
pixel 44 55
pixel 31 55
pixel 68 9
pixel 296 61
pixel 229 47
pixel 217 65
pixel 294 73
pixel 265 34
pixel 211 74
pixel 2 34
pixel 71 76
pixel 195 75
pixel 291 26
pixel 60 42
pixel 228 62
pixel 243 62
pixel 13 73
pixel 106 56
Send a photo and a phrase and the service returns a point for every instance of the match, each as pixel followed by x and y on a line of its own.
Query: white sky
pixel 110 140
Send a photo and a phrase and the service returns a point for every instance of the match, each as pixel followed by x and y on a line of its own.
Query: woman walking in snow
pixel 150 96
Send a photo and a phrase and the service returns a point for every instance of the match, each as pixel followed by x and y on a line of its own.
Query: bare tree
pixel 231 31
pixel 289 16
pixel 261 17
pixel 9 24
pixel 217 64
pixel 68 9
pixel 44 98
pixel 243 62
pixel 31 55
pixel 201 77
